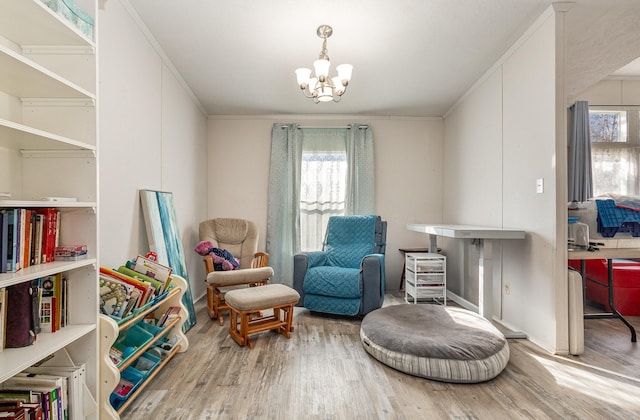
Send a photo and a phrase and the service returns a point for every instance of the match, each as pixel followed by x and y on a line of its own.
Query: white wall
pixel 408 160
pixel 612 92
pixel 499 139
pixel 152 136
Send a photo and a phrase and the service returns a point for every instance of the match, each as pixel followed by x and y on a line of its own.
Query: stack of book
pixel 27 237
pixel 55 391
pixel 132 286
pixel 70 252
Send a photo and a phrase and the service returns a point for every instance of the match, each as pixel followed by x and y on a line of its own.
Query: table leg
pixel 433 244
pixel 485 291
pixel 614 312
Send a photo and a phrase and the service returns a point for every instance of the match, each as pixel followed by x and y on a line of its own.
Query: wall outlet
pixel 540 185
pixel 507 289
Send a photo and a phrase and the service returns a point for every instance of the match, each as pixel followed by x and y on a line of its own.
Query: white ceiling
pixel 410 57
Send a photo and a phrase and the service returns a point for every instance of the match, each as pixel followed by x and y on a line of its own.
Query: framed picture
pixel 165 240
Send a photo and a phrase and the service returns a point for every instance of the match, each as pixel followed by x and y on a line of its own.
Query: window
pixel 322 186
pixel 615 153
pixel 322 194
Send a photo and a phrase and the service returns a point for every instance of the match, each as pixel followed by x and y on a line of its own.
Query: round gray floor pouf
pixel 442 343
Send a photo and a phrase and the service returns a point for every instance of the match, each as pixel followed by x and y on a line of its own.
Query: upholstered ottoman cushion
pixel 437 342
pixel 261 297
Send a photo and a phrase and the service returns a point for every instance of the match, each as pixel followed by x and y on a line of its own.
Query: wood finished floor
pixel 323 372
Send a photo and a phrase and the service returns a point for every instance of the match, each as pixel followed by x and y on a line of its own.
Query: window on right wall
pixel 615 149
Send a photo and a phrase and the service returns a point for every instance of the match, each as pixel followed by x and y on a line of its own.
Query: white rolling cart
pixel 426 278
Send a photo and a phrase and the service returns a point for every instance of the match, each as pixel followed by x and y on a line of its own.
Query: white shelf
pixel 20 137
pixel 42 270
pixel 60 205
pixel 16 360
pixel 23 78
pixel 31 22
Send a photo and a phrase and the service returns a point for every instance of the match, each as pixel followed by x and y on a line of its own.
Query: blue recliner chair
pixel 347 276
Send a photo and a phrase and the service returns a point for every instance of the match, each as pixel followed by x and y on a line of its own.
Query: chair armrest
pixel 208 263
pixel 300 265
pixel 243 276
pixel 373 282
pixel 301 262
pixel 260 259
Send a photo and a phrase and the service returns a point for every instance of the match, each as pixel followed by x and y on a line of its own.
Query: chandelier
pixel 323 88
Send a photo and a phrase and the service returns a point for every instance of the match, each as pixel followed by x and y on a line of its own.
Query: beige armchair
pixel 240 238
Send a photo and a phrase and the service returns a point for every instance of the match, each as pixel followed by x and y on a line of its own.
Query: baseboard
pixel 462 302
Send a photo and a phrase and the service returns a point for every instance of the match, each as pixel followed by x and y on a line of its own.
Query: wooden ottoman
pixel 245 306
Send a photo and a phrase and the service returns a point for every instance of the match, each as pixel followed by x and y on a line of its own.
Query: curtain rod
pixel 347 127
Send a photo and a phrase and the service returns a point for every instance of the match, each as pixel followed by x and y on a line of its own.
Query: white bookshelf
pixel 48 148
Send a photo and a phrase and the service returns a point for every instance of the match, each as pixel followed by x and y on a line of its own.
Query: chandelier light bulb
pixel 322 68
pixel 303 76
pixel 323 87
pixel 344 72
pixel 339 87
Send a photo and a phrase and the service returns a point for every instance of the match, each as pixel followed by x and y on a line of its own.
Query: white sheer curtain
pixel 323 182
pixel 615 170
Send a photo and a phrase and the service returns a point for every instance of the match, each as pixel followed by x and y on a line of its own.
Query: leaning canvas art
pixel 165 240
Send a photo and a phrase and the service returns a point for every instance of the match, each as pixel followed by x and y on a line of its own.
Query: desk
pixel 609 254
pixel 482 234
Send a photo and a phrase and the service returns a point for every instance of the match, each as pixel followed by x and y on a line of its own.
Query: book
pixel 49 227
pixel 26 239
pixel 59 382
pixel 48 396
pixel 11 239
pixel 116 356
pixel 131 273
pixel 153 269
pixel 33 411
pixel 22 239
pixel 13 413
pixel 32 237
pixel 79 398
pixel 22 395
pixel 35 305
pixel 3 316
pixel 4 240
pixel 46 314
pixel 113 297
pixel 132 294
pixel 74 386
pixel 64 298
pixel 47 304
pixel 37 237
pixel 17 256
pixel 124 387
pixel 146 289
pixel 57 302
pixel 171 313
